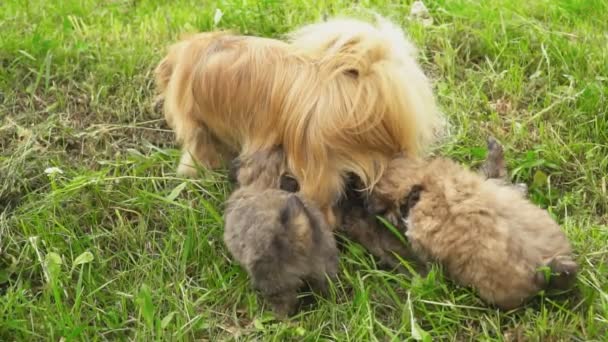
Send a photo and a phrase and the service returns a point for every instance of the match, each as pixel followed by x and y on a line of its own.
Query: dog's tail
pixel 377 95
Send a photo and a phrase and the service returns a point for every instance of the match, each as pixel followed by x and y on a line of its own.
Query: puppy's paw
pixel 563 272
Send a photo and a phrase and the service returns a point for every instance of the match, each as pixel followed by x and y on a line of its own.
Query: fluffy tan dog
pixel 341 96
pixel 484 232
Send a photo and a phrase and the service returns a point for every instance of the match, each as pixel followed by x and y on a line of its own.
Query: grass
pixel 117 247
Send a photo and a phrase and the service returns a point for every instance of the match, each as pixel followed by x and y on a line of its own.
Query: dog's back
pixel 338 98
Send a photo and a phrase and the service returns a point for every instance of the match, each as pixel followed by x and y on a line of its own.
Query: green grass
pixel 117 247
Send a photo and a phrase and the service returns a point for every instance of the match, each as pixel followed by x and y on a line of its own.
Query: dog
pixel 485 233
pixel 340 97
pixel 278 236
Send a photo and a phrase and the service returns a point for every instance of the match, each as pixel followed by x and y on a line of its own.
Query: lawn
pixel 111 245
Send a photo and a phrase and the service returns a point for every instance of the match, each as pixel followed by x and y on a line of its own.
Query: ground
pixel 112 245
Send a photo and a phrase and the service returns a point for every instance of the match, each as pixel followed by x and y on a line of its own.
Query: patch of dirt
pixel 502 106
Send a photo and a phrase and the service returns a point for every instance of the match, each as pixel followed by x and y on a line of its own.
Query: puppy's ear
pixel 354 189
pixel 494 167
pixel 410 200
pixel 295 219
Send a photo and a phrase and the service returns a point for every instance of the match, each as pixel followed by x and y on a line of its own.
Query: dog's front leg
pixel 202 149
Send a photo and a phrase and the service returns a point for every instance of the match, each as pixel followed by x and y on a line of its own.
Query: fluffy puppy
pixel 359 226
pixel 486 234
pixel 341 97
pixel 279 237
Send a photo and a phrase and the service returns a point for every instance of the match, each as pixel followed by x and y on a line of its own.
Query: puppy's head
pixel 308 233
pixel 263 169
pixel 398 191
pixel 494 167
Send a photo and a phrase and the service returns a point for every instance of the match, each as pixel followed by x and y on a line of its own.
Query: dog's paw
pixel 186 167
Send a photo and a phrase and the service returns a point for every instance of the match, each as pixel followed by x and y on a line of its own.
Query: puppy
pixel 341 97
pixel 485 234
pixel 280 238
pixel 388 248
pixel 357 225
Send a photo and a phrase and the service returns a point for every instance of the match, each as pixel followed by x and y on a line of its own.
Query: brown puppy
pixel 279 237
pixel 341 97
pixel 486 234
pixel 359 226
pixel 356 224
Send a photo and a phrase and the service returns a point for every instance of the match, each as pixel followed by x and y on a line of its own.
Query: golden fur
pixel 340 96
pixel 486 234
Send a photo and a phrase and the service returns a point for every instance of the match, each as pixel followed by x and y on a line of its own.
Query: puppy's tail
pixel 378 101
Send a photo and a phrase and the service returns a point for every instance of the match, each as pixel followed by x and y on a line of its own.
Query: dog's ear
pixel 162 76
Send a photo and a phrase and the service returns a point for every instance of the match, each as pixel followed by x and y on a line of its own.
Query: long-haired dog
pixel 340 96
pixel 484 232
pixel 278 236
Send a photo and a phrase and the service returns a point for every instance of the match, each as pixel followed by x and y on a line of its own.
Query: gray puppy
pixel 279 237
